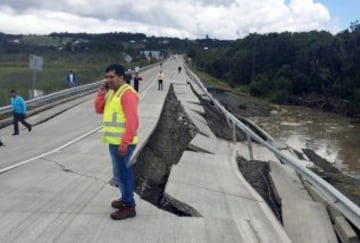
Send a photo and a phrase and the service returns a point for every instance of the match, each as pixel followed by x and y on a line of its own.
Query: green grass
pixel 87 64
pixel 49 80
pixel 18 76
pixel 44 40
pixel 212 81
pixel 89 67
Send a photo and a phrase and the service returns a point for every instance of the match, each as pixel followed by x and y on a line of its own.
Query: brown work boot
pixel 117 204
pixel 126 212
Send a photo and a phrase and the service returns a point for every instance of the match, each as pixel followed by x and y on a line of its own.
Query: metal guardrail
pixel 64 93
pixel 349 209
pixel 54 96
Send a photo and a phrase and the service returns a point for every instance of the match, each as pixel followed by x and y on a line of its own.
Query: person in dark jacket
pixel 128 76
pixel 1 143
pixel 137 78
pixel 19 111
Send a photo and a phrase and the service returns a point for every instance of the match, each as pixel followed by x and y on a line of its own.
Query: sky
pixel 192 19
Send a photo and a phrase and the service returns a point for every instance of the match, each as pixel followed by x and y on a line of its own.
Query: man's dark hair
pixel 12 91
pixel 118 69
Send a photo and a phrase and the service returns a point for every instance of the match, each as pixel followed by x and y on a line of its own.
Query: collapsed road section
pixel 164 149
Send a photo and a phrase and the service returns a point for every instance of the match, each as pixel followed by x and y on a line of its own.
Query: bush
pixel 279 96
pixel 242 106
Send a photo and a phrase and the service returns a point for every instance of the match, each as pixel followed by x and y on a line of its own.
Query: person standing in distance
pixel 71 79
pixel 118 102
pixel 1 143
pixel 128 76
pixel 19 112
pixel 137 79
pixel 160 80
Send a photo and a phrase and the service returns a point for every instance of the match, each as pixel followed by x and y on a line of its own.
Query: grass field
pixel 50 79
pixel 15 72
pixel 212 81
pixel 43 40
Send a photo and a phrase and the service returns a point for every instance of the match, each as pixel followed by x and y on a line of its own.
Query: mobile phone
pixel 106 85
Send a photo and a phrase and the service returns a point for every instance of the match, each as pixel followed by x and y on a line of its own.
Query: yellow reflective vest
pixel 114 121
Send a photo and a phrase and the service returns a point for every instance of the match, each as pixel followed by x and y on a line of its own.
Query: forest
pixel 315 69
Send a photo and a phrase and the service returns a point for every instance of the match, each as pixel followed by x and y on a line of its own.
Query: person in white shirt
pixel 71 79
pixel 160 80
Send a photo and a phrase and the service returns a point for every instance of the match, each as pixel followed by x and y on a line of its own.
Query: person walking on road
pixel 160 80
pixel 19 111
pixel 118 102
pixel 137 79
pixel 71 79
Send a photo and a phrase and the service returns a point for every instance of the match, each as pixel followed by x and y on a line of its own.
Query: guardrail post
pixel 249 146
pixel 233 132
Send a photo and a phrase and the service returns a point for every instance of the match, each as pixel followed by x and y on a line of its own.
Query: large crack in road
pixel 164 148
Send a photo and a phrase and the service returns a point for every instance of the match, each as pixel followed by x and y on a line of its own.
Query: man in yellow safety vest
pixel 118 102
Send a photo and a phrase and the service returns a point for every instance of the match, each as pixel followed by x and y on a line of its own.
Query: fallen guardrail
pixel 349 209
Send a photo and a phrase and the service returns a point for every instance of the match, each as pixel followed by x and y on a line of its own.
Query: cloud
pixel 221 19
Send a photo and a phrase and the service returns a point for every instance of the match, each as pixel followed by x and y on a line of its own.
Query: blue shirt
pixel 18 105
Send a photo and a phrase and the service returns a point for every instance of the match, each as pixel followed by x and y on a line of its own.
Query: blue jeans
pixel 123 174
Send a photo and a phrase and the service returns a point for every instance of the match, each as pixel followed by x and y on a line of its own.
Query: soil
pixel 257 174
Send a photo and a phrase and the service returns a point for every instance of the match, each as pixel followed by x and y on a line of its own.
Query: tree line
pixel 309 68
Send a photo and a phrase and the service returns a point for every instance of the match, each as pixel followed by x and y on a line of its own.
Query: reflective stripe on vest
pixel 114 122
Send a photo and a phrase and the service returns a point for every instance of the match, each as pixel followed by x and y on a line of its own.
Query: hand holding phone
pixel 103 88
